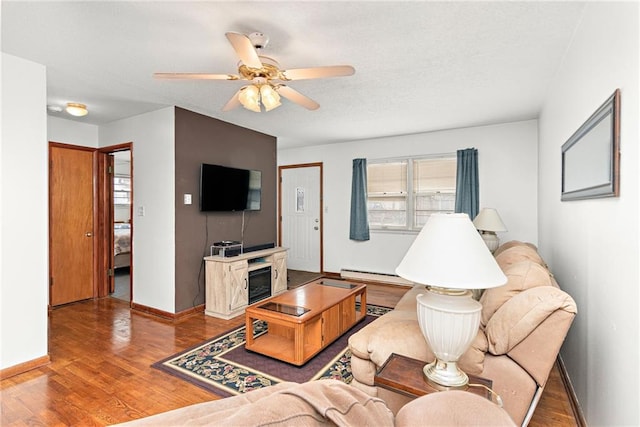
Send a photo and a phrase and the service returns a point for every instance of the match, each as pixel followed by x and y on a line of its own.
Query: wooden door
pixel 108 188
pixel 71 192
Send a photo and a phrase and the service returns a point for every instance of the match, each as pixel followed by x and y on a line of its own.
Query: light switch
pixel 187 199
pixel 140 210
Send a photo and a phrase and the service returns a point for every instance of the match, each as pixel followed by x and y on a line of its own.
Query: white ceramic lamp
pixel 488 222
pixel 450 257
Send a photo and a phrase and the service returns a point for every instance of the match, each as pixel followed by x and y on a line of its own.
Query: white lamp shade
pixel 249 97
pixel 489 220
pixel 270 98
pixel 449 253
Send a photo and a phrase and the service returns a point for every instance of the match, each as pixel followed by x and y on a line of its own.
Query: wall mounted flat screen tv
pixel 226 189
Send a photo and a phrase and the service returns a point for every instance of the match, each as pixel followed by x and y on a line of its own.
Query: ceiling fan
pixel 267 82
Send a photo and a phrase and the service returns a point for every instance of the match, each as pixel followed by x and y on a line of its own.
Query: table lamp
pixel 488 222
pixel 449 257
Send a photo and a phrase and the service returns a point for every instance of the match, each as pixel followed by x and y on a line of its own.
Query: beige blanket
pixel 316 403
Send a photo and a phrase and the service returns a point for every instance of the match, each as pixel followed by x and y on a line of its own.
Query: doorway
pixel 301 221
pixel 121 204
pixel 90 222
pixel 116 221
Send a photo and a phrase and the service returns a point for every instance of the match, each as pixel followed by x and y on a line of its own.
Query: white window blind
pixel 401 194
pixel 434 188
pixel 387 194
pixel 121 190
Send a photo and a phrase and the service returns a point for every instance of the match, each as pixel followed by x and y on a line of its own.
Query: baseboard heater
pixel 374 277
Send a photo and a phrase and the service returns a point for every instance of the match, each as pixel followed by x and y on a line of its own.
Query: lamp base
pixel 445 375
pixel 491 240
pixel 449 320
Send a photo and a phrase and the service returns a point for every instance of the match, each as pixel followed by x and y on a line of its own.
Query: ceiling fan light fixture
pixel 76 109
pixel 263 75
pixel 270 98
pixel 249 97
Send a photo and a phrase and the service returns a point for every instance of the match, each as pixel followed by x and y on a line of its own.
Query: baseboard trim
pixel 165 314
pixel 366 276
pixel 24 367
pixel 153 311
pixel 573 399
pixel 198 309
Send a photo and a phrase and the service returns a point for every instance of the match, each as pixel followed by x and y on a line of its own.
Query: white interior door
pixel 301 221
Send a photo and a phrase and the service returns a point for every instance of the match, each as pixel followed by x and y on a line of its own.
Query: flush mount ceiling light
pixel 76 109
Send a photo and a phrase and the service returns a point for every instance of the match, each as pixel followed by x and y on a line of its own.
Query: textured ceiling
pixel 420 66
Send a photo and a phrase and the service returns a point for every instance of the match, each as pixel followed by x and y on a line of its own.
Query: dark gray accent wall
pixel 202 139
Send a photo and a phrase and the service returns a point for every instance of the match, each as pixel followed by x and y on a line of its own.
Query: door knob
pixel 88 234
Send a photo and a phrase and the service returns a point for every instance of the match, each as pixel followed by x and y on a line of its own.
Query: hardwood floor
pixel 100 371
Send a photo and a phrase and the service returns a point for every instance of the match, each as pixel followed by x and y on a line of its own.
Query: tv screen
pixel 225 189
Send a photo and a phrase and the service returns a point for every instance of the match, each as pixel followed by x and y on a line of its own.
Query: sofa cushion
pixel 516 254
pixel 521 275
pixel 503 247
pixel 519 316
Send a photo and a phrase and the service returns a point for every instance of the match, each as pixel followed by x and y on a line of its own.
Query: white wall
pixel 153 156
pixel 24 193
pixel 72 132
pixel 592 245
pixel 507 157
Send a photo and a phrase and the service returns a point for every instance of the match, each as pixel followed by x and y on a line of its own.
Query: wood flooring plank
pixel 100 371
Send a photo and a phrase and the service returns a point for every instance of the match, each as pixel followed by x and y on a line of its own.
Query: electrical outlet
pixel 187 199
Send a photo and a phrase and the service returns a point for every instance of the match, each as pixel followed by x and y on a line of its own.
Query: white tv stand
pixel 227 280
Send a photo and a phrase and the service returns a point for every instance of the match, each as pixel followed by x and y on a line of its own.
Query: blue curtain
pixel 467 184
pixel 359 224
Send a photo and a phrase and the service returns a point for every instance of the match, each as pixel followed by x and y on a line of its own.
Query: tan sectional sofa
pixel 523 326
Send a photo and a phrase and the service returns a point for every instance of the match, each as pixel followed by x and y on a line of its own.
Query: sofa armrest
pixel 538 352
pixel 392 334
pixel 452 408
pixel 360 342
pixel 522 314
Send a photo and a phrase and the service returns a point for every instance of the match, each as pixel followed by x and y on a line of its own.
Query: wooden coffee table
pixel 303 321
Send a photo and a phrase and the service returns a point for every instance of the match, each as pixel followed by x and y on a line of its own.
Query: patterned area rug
pixel 223 366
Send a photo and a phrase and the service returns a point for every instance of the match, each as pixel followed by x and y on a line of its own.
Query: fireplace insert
pixel 259 284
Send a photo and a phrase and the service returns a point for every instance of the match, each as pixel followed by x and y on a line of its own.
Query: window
pixel 121 190
pixel 402 193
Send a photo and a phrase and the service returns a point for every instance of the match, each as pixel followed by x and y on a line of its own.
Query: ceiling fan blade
pixel 318 72
pixel 195 76
pixel 234 102
pixel 244 49
pixel 297 97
